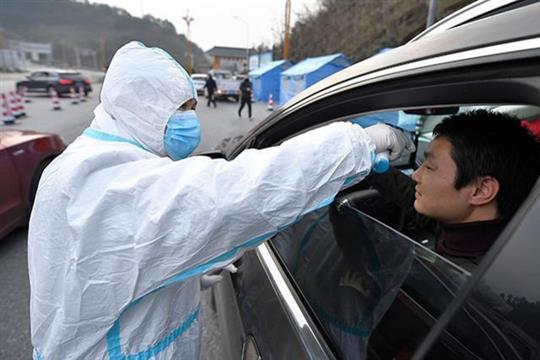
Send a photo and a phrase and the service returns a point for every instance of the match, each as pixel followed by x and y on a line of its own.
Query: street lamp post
pixel 287 29
pixel 188 19
pixel 247 40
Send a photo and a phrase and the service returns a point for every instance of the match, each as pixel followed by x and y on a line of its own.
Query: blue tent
pixel 266 79
pixel 308 72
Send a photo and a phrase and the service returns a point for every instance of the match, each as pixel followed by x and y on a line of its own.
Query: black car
pixel 348 281
pixel 62 81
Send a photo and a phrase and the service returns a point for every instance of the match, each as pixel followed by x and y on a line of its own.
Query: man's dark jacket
pixel 245 89
pixel 210 86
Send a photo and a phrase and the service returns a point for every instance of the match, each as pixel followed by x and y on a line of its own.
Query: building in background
pixel 259 60
pixel 38 53
pixel 17 54
pixel 228 58
pixel 9 59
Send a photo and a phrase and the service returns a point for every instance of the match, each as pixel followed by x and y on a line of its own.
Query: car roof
pixel 513 25
pixel 58 71
pixel 468 13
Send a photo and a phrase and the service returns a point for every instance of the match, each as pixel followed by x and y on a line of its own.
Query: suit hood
pixel 142 88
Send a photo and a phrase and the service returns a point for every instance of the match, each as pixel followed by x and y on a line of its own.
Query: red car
pixel 23 157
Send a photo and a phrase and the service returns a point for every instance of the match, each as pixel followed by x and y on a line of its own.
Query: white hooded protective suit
pixel 120 234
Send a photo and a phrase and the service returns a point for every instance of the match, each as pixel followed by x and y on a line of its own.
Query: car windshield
pixel 222 76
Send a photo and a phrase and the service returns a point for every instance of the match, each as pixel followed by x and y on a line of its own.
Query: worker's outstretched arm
pixel 151 222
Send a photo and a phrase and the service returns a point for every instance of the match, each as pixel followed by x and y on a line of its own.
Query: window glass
pixel 222 75
pixel 37 75
pixel 366 283
pixel 199 77
pixel 71 75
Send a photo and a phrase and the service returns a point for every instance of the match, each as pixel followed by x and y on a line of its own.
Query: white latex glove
pixel 214 277
pixel 392 140
pixel 209 280
pixel 231 268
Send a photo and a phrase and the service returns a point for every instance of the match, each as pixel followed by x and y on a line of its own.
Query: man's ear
pixel 486 190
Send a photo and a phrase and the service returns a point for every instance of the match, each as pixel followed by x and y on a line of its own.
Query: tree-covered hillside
pixel 71 25
pixel 359 28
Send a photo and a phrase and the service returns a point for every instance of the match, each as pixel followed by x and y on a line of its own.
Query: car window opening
pixel 381 270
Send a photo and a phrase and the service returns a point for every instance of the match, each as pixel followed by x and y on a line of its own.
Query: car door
pixel 42 80
pixel 34 81
pixel 11 202
pixel 378 300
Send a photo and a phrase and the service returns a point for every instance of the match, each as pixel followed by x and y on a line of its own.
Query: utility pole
pixel 64 61
pixel 77 57
pixel 103 55
pixel 247 40
pixel 94 57
pixel 188 19
pixel 287 26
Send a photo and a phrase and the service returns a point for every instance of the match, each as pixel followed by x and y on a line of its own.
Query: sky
pixel 214 24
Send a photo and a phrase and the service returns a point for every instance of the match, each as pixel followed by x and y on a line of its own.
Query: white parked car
pixel 198 81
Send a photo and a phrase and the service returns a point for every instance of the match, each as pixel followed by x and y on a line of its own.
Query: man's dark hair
pixel 487 143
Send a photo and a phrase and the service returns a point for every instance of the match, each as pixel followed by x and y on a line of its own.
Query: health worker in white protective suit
pixel 121 233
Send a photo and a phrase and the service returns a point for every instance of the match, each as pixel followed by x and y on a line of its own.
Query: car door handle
pixel 18 152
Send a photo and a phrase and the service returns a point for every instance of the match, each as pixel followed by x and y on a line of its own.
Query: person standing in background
pixel 211 87
pixel 245 97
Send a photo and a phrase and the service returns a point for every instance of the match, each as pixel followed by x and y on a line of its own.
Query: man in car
pixel 477 171
pixel 125 223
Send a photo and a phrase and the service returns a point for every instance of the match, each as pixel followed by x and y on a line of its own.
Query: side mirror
pixel 28 77
pixel 213 154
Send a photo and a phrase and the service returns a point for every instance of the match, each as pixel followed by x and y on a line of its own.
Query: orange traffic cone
pixel 55 100
pixel 7 116
pixel 20 103
pixel 25 95
pixel 14 105
pixel 81 94
pixel 270 106
pixel 73 96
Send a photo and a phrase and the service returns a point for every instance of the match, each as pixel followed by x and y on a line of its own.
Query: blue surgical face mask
pixel 182 135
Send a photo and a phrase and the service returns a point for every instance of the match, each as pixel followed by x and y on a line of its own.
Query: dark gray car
pixel 63 81
pixel 309 294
